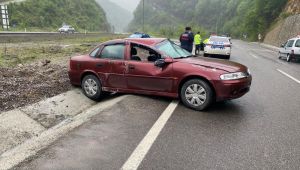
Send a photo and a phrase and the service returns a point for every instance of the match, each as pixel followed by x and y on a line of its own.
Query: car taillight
pixel 227 45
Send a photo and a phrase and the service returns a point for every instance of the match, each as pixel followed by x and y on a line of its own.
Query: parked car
pixel 139 35
pixel 157 66
pixel 290 50
pixel 66 29
pixel 218 45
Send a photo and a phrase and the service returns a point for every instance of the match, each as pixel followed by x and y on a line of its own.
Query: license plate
pixel 217 46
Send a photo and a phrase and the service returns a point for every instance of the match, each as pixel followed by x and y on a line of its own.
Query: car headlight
pixel 234 76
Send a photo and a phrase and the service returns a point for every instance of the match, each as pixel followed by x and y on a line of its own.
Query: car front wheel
pixel 91 87
pixel 196 94
pixel 288 58
pixel 227 57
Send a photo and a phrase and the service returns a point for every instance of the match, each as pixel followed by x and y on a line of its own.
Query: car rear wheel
pixel 91 87
pixel 288 58
pixel 196 94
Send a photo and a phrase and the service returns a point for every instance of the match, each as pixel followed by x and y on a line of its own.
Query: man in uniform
pixel 197 40
pixel 186 39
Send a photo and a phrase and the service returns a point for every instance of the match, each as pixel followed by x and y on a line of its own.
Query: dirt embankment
pixel 31 83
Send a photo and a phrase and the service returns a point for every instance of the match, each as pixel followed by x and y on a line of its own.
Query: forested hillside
pixel 51 14
pixel 118 17
pixel 236 17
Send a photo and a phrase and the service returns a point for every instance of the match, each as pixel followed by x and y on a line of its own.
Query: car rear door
pixel 143 76
pixel 113 54
pixel 297 48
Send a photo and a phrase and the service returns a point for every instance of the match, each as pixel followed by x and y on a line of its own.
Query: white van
pixel 290 50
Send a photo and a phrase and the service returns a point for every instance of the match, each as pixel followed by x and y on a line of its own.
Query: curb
pixel 271 47
pixel 23 134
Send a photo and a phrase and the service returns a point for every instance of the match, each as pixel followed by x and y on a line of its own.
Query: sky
pixel 130 5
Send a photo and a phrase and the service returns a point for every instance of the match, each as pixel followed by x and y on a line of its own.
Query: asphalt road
pixel 261 130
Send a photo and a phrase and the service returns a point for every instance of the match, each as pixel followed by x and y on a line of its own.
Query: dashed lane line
pixel 144 146
pixel 289 76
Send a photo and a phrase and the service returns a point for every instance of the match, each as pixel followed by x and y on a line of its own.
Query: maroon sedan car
pixel 157 66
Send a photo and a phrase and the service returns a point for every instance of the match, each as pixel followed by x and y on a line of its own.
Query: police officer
pixel 197 40
pixel 186 39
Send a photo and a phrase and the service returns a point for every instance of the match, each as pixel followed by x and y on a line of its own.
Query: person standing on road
pixel 259 37
pixel 186 39
pixel 197 40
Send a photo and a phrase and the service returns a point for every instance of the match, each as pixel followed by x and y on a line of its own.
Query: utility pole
pixel 143 16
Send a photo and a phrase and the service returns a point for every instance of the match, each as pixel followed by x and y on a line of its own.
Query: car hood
pixel 225 65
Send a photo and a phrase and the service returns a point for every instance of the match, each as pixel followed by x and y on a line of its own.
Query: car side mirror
pixel 163 62
pixel 282 45
pixel 160 63
pixel 168 60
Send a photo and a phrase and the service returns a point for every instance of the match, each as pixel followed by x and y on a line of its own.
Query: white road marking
pixel 13 157
pixel 289 76
pixel 254 56
pixel 142 149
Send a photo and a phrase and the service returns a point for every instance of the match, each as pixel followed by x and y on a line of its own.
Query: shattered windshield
pixel 172 50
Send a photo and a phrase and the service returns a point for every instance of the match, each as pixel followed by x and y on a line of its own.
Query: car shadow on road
pixel 225 107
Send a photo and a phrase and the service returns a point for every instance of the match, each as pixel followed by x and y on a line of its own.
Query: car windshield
pixel 172 50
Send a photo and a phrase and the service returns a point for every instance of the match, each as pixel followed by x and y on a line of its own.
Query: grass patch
pixel 13 54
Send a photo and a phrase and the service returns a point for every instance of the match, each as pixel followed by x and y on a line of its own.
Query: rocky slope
pixel 288 25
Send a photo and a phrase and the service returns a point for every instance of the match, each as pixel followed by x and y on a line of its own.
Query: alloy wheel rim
pixel 90 87
pixel 195 95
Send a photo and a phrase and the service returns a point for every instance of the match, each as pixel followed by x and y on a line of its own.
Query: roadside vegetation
pixel 50 15
pixel 14 54
pixel 236 17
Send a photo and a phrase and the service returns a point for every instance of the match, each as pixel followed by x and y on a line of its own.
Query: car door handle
pixel 99 65
pixel 131 67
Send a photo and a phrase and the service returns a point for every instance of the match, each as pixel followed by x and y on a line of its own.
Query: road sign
pixel 4 17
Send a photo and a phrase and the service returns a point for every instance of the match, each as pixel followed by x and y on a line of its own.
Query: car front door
pixel 142 75
pixel 288 47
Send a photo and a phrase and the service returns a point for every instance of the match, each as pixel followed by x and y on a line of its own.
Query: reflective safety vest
pixel 206 41
pixel 197 39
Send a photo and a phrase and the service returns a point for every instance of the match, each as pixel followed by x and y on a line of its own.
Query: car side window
pixel 95 52
pixel 143 54
pixel 115 52
pixel 297 43
pixel 290 43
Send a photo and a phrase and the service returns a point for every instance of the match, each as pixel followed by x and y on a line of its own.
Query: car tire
pixel 288 58
pixel 227 57
pixel 196 94
pixel 279 55
pixel 92 87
